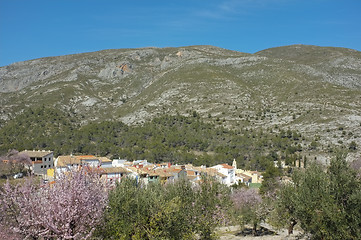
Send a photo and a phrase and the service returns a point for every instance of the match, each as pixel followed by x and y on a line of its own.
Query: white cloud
pixel 229 9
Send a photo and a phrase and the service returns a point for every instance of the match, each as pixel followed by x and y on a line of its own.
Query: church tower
pixel 234 164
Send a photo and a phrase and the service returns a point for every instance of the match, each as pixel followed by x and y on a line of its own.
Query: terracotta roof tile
pixel 225 165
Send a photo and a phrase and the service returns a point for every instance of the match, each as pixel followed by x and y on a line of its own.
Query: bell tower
pixel 234 164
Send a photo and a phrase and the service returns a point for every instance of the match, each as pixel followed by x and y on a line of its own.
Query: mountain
pixel 315 90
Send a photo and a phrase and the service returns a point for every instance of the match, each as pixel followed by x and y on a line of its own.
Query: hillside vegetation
pixel 309 89
pixel 175 139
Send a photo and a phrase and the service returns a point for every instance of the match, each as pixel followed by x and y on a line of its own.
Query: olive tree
pixel 177 210
pixel 325 201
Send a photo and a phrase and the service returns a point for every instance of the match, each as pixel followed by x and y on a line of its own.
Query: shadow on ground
pixel 262 231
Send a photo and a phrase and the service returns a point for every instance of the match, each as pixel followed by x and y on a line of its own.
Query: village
pixel 44 164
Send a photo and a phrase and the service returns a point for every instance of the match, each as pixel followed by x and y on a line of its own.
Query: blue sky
pixel 32 29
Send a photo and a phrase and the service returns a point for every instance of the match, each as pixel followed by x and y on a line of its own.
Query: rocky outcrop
pixel 314 89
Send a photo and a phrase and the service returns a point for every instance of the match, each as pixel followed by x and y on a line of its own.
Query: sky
pixel 32 29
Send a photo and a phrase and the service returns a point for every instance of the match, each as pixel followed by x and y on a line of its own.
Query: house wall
pixel 41 165
pixel 118 162
pixel 153 179
pixel 254 176
pixel 230 173
pixel 92 163
pixel 107 164
pixel 60 170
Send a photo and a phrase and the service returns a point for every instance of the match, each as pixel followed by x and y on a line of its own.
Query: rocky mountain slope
pixel 316 90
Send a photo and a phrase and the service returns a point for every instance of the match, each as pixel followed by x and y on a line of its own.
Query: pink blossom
pixel 246 198
pixel 70 208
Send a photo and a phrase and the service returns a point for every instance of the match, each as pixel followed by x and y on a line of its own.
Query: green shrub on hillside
pixel 175 139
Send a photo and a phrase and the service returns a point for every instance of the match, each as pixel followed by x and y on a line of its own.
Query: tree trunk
pixel 254 230
pixel 290 227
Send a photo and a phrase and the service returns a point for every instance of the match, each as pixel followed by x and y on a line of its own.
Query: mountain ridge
pixel 313 89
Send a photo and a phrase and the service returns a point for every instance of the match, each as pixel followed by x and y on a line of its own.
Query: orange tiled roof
pixel 225 165
pixel 191 173
pixel 174 170
pixel 163 172
pixel 150 172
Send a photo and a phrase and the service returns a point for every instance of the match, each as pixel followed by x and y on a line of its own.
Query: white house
pixel 113 174
pixel 89 160
pixel 247 176
pixel 70 162
pixel 228 171
pixel 66 163
pixel 118 162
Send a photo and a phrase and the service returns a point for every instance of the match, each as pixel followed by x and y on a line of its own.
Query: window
pixel 41 166
pixel 49 166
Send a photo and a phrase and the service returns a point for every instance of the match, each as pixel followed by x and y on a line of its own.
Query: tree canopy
pixel 176 139
pixel 325 201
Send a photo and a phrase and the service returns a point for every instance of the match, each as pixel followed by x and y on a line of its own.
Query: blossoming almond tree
pixel 249 205
pixel 68 209
pixel 16 162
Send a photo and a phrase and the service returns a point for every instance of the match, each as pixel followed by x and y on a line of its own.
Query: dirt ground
pixel 266 232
